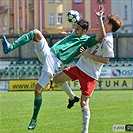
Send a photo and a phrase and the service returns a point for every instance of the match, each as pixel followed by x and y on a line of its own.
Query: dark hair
pixel 115 21
pixel 84 24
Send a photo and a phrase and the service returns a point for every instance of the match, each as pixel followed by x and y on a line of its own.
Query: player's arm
pixel 100 59
pixel 99 14
pixel 85 52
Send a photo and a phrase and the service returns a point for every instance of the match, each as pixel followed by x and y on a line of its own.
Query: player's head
pixel 81 27
pixel 114 21
pixel 84 24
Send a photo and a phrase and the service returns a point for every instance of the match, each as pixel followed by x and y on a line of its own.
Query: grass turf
pixel 108 108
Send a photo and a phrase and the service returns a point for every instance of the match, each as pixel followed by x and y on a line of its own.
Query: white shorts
pixel 50 62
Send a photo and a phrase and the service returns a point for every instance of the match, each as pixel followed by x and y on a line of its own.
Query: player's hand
pixel 100 11
pixel 85 52
pixel 64 32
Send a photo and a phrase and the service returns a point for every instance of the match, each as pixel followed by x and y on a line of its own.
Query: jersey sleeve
pixel 108 49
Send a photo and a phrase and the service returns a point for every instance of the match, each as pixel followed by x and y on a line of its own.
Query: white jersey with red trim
pixel 103 49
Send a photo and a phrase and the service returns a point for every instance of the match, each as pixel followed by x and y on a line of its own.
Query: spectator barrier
pixel 24 76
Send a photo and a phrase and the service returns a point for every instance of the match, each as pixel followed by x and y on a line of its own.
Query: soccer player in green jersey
pixel 51 58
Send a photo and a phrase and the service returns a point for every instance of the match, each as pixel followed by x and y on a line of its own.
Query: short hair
pixel 115 21
pixel 84 24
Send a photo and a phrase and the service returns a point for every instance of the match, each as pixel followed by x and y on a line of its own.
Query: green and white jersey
pixel 69 47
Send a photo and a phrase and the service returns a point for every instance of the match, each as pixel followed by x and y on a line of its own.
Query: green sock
pixel 37 105
pixel 24 39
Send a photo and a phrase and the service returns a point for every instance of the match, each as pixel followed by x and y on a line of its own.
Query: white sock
pixel 65 87
pixel 85 118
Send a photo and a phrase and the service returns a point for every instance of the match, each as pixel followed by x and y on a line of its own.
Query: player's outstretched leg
pixel 71 102
pixel 24 39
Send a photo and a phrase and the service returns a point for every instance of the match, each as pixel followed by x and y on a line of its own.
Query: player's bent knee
pixel 38 90
pixel 38 34
pixel 36 31
pixel 55 81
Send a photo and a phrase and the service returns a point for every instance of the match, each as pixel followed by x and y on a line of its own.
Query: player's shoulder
pixel 109 36
pixel 108 40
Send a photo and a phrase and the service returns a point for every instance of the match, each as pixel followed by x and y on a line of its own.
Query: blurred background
pixel 49 16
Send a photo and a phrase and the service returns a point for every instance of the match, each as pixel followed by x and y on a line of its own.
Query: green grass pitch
pixel 108 108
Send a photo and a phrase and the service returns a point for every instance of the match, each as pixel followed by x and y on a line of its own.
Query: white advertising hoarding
pixel 122 72
pixel 117 72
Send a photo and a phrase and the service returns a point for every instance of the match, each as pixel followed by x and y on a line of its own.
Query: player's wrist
pixel 100 18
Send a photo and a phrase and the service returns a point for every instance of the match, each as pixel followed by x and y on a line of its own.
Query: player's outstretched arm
pixel 99 15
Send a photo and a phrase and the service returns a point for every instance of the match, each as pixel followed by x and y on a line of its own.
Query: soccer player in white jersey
pixel 88 68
